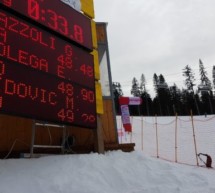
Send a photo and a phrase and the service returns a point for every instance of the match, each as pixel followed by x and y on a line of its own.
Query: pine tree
pixel 205 89
pixel 117 92
pixel 142 84
pixel 162 97
pixel 155 82
pixel 189 78
pixel 145 96
pixel 205 82
pixel 135 90
pixel 175 95
pixel 189 95
pixel 162 82
pixel 117 89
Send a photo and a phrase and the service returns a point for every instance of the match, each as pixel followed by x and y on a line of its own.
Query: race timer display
pixel 57 16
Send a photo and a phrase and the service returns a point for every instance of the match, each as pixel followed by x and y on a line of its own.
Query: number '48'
pixel 66 88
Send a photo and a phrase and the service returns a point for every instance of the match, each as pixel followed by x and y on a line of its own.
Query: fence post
pixel 122 129
pixel 194 138
pixel 176 141
pixel 156 126
pixel 132 129
pixel 142 133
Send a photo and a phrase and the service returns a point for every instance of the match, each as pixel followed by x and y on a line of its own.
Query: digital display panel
pixel 57 16
pixel 32 46
pixel 31 93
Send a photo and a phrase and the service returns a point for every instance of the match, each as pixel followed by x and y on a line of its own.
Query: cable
pixel 13 147
pixel 50 137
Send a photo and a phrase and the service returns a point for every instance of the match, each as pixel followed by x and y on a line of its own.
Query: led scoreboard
pixel 57 16
pixel 43 76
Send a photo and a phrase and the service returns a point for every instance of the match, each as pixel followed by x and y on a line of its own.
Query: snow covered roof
pixel 76 4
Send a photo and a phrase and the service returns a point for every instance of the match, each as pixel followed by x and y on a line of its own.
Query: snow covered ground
pixel 113 172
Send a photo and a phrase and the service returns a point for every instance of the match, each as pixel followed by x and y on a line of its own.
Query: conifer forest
pixel 170 100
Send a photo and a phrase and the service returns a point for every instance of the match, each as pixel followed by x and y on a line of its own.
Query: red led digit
pixel 84 94
pixel 78 33
pixel 91 96
pixel 61 115
pixel 90 71
pixel 61 60
pixel 61 87
pixel 68 62
pixel 92 118
pixel 70 115
pixel 53 19
pixel 63 25
pixel 85 117
pixel 69 90
pixel 83 69
pixel 33 9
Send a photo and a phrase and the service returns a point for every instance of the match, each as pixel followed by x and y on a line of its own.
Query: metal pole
pixel 142 132
pixel 176 133
pixel 63 140
pixel 156 126
pixel 32 139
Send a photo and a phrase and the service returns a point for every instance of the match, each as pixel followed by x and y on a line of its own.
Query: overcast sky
pixel 158 36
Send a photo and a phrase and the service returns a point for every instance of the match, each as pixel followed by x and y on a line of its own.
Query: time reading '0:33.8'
pixel 56 16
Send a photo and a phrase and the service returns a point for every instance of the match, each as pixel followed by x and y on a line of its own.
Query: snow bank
pixel 114 172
